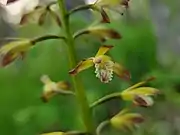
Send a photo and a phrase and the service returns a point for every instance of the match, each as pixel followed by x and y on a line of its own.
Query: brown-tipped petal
pixel 42 18
pixel 34 16
pixel 46 96
pixel 121 71
pixel 125 3
pixel 105 17
pixel 126 121
pixel 82 65
pixel 63 85
pixel 103 49
pixel 8 58
pixel 147 91
pixel 140 83
pixel 55 17
pixel 144 101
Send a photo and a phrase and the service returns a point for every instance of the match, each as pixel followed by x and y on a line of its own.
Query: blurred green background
pixel 141 50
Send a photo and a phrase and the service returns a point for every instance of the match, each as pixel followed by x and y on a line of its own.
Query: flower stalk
pixel 79 90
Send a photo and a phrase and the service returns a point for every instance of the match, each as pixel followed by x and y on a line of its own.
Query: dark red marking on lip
pixel 11 1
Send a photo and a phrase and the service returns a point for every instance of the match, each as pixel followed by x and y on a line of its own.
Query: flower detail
pixel 39 14
pixel 140 96
pixel 14 50
pixel 113 5
pixel 104 66
pixel 100 31
pixel 52 88
pixel 125 120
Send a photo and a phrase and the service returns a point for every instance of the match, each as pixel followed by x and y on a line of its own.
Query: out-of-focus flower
pixel 104 66
pixel 101 31
pixel 140 96
pixel 14 50
pixel 14 11
pixel 104 5
pixel 126 120
pixel 52 88
pixel 39 15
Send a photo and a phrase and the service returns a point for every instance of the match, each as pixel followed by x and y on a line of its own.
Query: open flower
pixel 125 120
pixel 140 96
pixel 113 5
pixel 104 66
pixel 52 88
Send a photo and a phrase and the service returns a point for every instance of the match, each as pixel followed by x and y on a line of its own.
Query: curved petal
pixel 126 120
pixel 103 49
pixel 147 91
pixel 140 83
pixel 121 71
pixel 63 85
pixel 143 101
pixel 82 65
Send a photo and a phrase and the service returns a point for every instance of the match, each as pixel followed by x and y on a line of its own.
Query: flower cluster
pixel 105 67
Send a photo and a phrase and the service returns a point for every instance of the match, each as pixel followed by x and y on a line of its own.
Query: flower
pixel 52 88
pixel 112 5
pixel 17 11
pixel 140 96
pixel 125 120
pixel 104 66
pixel 99 31
pixel 14 50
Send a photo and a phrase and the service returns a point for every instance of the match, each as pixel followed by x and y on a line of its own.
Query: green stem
pixel 78 86
pixel 80 8
pixel 105 99
pixel 101 126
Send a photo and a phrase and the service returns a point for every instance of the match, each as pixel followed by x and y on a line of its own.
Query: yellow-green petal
pixel 103 49
pixel 125 120
pixel 82 65
pixel 54 133
pixel 140 83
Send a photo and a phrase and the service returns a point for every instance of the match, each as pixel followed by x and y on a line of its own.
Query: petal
pixel 107 2
pixel 63 85
pixel 45 79
pixel 101 32
pixel 126 120
pixel 35 16
pixel 143 101
pixel 82 65
pixel 55 17
pixel 8 58
pixel 140 83
pixel 47 95
pixel 121 71
pixel 54 133
pixel 147 91
pixel 103 49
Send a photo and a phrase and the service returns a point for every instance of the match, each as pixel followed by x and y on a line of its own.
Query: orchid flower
pixel 125 120
pixel 140 96
pixel 104 66
pixel 52 88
